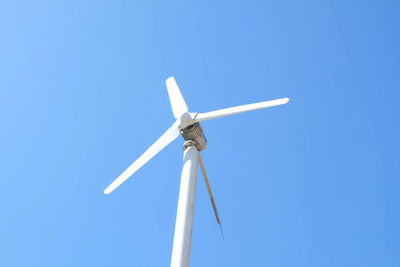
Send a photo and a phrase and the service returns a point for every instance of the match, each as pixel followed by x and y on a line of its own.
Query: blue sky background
pixel 314 183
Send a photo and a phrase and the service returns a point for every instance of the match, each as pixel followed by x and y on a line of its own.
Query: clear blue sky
pixel 314 183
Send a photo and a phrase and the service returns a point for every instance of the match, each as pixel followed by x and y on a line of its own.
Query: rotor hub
pixel 185 120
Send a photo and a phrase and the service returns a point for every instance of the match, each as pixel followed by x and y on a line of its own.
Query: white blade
pixel 239 109
pixel 170 135
pixel 175 97
pixel 203 170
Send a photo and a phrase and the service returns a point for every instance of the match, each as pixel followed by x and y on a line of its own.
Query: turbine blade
pixel 170 135
pixel 239 109
pixel 178 104
pixel 210 193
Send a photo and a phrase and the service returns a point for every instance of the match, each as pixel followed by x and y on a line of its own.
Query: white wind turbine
pixel 187 124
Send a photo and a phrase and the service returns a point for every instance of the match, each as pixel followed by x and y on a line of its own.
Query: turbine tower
pixel 187 124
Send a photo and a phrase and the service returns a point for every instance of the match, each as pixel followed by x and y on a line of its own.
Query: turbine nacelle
pixel 195 133
pixel 191 130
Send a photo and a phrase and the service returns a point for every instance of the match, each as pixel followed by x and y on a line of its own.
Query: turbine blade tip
pixel 169 79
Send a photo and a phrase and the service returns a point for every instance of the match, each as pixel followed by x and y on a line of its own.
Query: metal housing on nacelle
pixel 195 133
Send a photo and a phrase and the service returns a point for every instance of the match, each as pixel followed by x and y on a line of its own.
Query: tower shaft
pixel 184 216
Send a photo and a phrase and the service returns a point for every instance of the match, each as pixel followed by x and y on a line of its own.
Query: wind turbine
pixel 187 124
